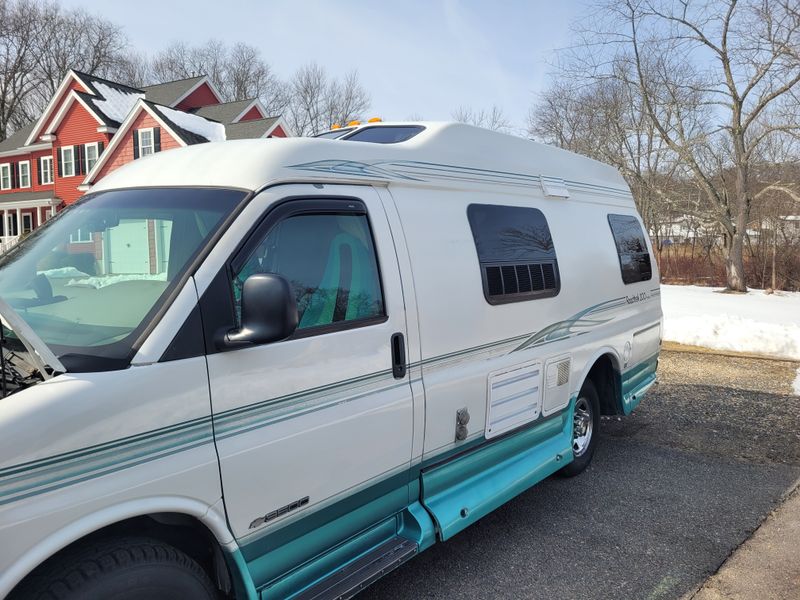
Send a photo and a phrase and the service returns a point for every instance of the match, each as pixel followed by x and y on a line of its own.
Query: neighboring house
pixel 91 126
pixel 788 225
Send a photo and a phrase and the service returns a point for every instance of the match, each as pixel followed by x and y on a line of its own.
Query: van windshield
pixel 89 281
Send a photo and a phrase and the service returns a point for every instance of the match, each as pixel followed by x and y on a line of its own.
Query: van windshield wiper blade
pixel 39 354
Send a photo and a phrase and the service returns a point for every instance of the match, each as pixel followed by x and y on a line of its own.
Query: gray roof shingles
pixel 249 129
pixel 23 196
pixel 224 113
pixel 16 139
pixel 167 93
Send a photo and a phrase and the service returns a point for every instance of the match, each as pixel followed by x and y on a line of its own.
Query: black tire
pixel 120 569
pixel 587 399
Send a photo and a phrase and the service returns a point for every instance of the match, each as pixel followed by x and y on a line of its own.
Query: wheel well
pixel 606 380
pixel 184 532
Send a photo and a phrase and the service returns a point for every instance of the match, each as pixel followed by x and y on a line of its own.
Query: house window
pixel 515 251
pixel 81 236
pixel 5 177
pixel 146 141
pixel 46 169
pixel 25 174
pixel 91 152
pixel 68 161
pixel 27 223
pixel 634 258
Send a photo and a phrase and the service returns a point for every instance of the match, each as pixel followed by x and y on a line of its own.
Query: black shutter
pixel 14 178
pixel 78 152
pixel 135 144
pixel 39 170
pixel 156 139
pixel 60 166
pixel 100 146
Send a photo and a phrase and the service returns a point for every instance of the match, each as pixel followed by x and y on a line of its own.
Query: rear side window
pixel 634 258
pixel 515 251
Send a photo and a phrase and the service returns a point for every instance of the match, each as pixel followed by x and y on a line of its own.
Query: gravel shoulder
pixel 673 490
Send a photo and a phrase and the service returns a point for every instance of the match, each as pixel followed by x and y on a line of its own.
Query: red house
pixel 91 126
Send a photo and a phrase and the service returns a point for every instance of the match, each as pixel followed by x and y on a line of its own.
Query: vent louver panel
pixel 534 279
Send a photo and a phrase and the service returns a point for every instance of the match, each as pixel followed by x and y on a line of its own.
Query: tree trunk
pixel 734 262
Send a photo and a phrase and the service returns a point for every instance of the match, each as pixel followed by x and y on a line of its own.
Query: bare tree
pixel 318 101
pixel 493 118
pixel 714 80
pixel 39 43
pixel 238 72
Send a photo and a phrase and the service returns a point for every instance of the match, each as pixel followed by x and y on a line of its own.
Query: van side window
pixel 634 258
pixel 515 251
pixel 329 260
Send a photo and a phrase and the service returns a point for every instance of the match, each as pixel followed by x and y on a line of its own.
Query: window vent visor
pixel 514 398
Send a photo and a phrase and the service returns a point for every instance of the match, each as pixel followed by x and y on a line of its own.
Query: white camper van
pixel 281 368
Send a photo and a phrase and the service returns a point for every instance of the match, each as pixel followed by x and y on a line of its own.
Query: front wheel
pixel 126 569
pixel 585 427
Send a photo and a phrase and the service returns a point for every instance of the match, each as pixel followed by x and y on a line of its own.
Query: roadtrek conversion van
pixel 281 368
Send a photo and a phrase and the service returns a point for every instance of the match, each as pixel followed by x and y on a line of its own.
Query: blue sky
pixel 416 57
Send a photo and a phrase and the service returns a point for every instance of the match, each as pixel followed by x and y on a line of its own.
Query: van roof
pixel 443 154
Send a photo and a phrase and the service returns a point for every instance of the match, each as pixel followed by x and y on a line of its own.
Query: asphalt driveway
pixel 672 491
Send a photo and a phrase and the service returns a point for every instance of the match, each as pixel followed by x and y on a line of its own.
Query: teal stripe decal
pixel 412 170
pixel 34 477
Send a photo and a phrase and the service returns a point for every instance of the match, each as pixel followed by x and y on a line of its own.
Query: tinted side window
pixel 516 253
pixel 329 260
pixel 385 134
pixel 634 259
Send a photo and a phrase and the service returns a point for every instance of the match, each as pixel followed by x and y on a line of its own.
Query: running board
pixel 348 581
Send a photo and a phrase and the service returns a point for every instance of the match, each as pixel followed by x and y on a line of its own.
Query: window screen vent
pixel 494 281
pixel 517 280
pixel 549 276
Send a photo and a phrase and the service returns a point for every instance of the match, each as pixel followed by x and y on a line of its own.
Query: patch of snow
pixel 797 384
pixel 107 280
pixel 754 322
pixel 117 103
pixel 213 132
pixel 62 273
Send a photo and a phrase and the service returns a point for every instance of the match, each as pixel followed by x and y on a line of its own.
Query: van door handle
pixel 398 356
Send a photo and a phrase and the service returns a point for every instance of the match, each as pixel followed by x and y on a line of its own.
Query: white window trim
pixel 152 141
pixel 79 241
pixel 86 147
pixel 7 168
pixel 48 159
pixel 19 173
pixel 64 162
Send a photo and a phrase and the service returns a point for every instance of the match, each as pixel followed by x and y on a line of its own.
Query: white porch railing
pixel 7 242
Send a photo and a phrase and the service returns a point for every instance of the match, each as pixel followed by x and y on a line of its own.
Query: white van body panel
pixel 327 420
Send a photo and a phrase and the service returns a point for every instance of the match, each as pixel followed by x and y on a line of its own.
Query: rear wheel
pixel 585 426
pixel 127 569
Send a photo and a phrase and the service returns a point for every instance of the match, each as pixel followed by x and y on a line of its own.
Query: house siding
pixel 278 132
pixel 123 154
pixel 73 85
pixel 202 96
pixel 78 127
pixel 251 115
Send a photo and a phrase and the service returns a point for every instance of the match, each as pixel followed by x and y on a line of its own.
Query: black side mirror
pixel 269 312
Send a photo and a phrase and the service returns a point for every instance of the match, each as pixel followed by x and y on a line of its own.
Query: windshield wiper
pixel 15 372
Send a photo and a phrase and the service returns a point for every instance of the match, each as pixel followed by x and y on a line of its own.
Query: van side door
pixel 314 433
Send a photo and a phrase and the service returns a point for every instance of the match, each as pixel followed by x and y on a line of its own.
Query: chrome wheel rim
pixel 582 426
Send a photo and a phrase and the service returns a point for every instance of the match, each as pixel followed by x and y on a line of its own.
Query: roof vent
pixel 554 187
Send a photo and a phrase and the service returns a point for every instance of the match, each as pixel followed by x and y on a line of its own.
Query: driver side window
pixel 329 261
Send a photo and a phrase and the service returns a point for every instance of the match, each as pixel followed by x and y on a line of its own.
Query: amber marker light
pixel 375 120
pixel 353 123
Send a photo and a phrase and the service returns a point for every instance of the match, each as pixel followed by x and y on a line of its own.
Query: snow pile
pixel 754 322
pixel 116 103
pixel 213 132
pixel 62 273
pixel 797 384
pixel 107 280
